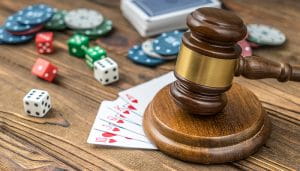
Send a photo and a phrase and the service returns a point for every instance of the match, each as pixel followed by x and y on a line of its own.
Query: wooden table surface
pixel 59 141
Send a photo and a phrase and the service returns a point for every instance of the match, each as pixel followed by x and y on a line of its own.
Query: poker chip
pixel 168 43
pixel 83 19
pixel 100 30
pixel 12 24
pixel 9 38
pixel 57 22
pixel 265 35
pixel 137 55
pixel 147 47
pixel 246 48
pixel 35 14
pixel 31 31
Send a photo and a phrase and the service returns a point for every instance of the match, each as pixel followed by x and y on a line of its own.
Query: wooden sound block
pixel 234 134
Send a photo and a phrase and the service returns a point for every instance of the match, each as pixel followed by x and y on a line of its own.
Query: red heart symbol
pixel 134 101
pixel 116 129
pixel 107 134
pixel 131 107
pixel 112 141
pixel 126 112
pixel 120 121
pixel 122 116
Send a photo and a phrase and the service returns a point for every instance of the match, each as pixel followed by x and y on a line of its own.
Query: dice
pixel 44 70
pixel 106 71
pixel 94 54
pixel 77 45
pixel 37 103
pixel 44 42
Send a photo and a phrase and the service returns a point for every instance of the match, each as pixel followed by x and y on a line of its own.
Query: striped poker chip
pixel 83 18
pixel 9 38
pixel 265 35
pixel 100 30
pixel 137 55
pixel 35 14
pixel 57 22
pixel 12 24
pixel 168 43
pixel 147 47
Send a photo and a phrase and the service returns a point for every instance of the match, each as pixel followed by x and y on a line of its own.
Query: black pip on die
pixel 106 71
pixel 37 103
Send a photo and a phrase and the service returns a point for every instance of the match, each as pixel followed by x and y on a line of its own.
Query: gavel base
pixel 234 134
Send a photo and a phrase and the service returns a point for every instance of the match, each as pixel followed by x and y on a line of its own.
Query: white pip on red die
pixel 37 103
pixel 44 42
pixel 106 71
pixel 44 70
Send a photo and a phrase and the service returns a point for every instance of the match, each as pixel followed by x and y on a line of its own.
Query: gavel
pixel 203 116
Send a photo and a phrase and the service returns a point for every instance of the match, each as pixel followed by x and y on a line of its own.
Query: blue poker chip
pixel 35 14
pixel 9 38
pixel 13 25
pixel 137 55
pixel 168 43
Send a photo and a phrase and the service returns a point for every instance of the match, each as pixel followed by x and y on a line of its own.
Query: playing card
pixel 115 129
pixel 141 95
pixel 126 111
pixel 108 139
pixel 110 116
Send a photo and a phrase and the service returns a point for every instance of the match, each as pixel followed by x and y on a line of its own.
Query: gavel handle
pixel 255 67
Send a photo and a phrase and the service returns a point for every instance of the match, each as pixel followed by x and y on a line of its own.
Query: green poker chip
pixel 57 21
pixel 100 30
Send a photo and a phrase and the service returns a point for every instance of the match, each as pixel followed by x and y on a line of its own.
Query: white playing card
pixel 110 116
pixel 114 129
pixel 108 139
pixel 126 110
pixel 141 95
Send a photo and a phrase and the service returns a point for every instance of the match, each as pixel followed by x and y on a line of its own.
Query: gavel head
pixel 207 60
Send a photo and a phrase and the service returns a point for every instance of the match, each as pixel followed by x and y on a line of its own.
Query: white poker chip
pixel 265 35
pixel 83 18
pixel 147 47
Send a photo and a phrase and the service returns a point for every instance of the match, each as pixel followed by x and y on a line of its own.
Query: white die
pixel 37 103
pixel 106 71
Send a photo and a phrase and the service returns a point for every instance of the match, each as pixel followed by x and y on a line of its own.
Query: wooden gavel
pixel 209 58
pixel 204 116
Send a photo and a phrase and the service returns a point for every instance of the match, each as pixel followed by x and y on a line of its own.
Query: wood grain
pixel 59 141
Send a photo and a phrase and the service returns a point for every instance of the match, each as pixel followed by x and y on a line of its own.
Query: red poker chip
pixel 246 48
pixel 30 31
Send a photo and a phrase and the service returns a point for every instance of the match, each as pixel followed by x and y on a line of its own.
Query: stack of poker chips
pixel 153 52
pixel 88 22
pixel 21 26
pixel 24 24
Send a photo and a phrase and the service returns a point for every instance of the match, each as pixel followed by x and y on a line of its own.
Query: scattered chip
pixel 35 14
pixel 11 24
pixel 168 43
pixel 31 31
pixel 246 48
pixel 147 47
pixel 57 22
pixel 265 35
pixel 9 38
pixel 137 55
pixel 83 19
pixel 100 30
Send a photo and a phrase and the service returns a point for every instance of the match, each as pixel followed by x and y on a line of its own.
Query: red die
pixel 44 42
pixel 44 69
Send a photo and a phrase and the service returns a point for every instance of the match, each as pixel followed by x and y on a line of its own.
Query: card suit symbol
pixel 126 112
pixel 131 107
pixel 122 116
pixel 134 101
pixel 120 121
pixel 116 129
pixel 107 134
pixel 112 141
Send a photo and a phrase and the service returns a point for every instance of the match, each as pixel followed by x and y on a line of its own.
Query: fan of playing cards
pixel 119 123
